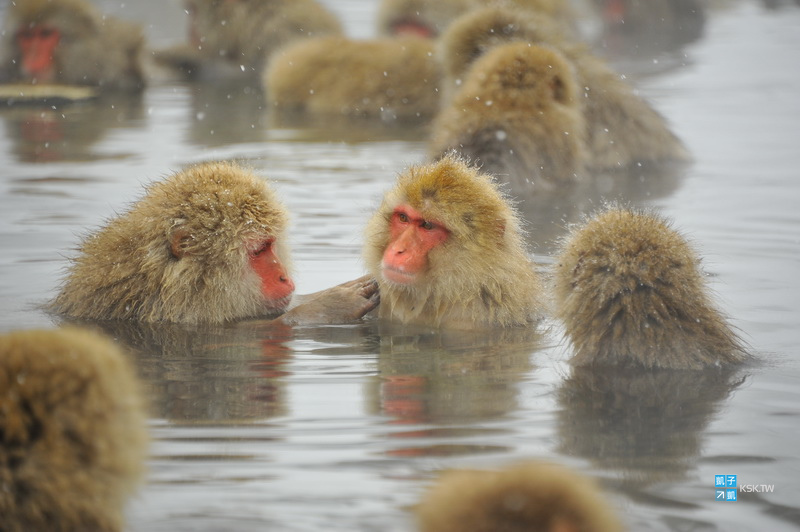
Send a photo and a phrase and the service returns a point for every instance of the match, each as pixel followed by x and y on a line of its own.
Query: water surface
pixel 340 428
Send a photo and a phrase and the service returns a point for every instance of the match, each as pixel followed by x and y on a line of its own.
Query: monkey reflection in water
pixel 460 300
pixel 653 357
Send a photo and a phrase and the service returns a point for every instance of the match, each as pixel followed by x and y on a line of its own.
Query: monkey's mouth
pixel 398 276
pixel 279 304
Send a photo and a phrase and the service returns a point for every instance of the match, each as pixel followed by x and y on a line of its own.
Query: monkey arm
pixel 344 303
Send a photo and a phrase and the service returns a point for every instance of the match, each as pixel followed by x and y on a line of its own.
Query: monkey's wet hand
pixel 344 303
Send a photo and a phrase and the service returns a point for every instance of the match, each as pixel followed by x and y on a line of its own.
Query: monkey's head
pixel 227 225
pixel 476 32
pixel 640 249
pixel 519 74
pixel 527 496
pixel 41 27
pixel 442 220
pixel 205 245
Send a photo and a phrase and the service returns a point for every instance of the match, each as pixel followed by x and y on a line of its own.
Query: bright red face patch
pixel 275 281
pixel 37 46
pixel 412 237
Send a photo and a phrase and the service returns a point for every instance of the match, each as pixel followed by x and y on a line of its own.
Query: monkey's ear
pixel 179 240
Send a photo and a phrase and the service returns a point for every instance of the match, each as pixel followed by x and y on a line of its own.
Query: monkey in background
pixel 630 292
pixel 475 33
pixel 69 42
pixel 73 435
pixel 521 498
pixel 445 247
pixel 621 129
pixel 423 18
pixel 244 33
pixel 647 29
pixel 206 245
pixel 430 18
pixel 389 79
pixel 517 116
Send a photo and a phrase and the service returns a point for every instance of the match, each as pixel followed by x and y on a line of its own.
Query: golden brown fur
pixel 480 276
pixel 621 128
pixel 391 79
pixel 246 32
pixel 126 270
pixel 517 115
pixel 437 15
pixel 630 291
pixel 95 49
pixel 73 434
pixel 532 496
pixel 476 32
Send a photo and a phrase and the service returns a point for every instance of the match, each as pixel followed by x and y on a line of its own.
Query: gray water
pixel 341 428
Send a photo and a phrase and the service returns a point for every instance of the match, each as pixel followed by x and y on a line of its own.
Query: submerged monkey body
pixel 517 115
pixel 630 291
pixel 388 79
pixel 620 128
pixel 478 276
pixel 243 35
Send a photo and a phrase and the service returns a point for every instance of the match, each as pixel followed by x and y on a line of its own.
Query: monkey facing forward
pixel 446 250
pixel 69 42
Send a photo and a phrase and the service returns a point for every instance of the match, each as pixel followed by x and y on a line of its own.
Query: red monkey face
pixel 412 237
pixel 276 284
pixel 37 45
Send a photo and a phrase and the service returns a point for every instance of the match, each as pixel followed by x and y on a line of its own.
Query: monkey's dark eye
pixel 261 249
pixel 46 32
pixel 426 225
pixel 403 217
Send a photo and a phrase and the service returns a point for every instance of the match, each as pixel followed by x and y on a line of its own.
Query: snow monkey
pixel 518 116
pixel 524 497
pixel 429 18
pixel 446 250
pixel 621 128
pixel 388 79
pixel 69 42
pixel 206 245
pixel 630 292
pixel 243 34
pixel 73 432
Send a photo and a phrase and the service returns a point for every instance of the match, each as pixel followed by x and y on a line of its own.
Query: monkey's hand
pixel 344 303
